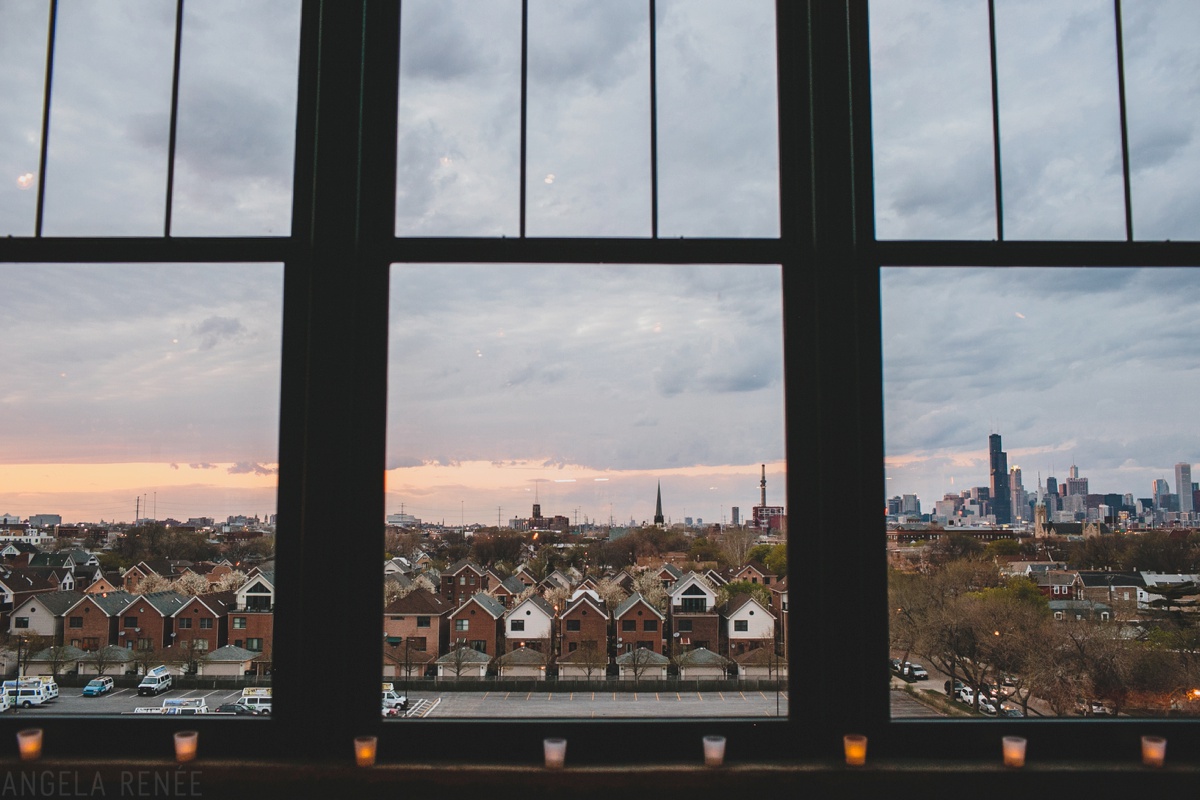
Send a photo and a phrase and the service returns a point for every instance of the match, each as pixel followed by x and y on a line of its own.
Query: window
pixel 206 623
pixel 76 622
pixel 573 625
pixel 683 625
pixel 239 623
pixel 145 644
pixel 254 645
pixel 131 622
pixel 694 605
pixel 422 622
pixel 650 625
pixel 741 625
pixel 629 624
pixel 184 622
pixel 200 644
pixel 517 625
pixel 21 622
pixel 462 624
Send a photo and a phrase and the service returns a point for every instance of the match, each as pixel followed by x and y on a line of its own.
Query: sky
pixel 587 386
pixel 1096 367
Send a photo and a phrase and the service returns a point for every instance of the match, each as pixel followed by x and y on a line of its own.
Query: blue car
pixel 97 687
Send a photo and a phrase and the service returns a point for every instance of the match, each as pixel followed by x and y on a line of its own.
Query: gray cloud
pixel 244 468
pixel 214 330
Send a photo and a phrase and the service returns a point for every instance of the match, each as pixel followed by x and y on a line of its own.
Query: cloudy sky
pixel 584 386
pixel 1089 367
pixel 589 385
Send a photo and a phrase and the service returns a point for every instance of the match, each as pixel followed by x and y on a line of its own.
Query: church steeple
pixel 658 515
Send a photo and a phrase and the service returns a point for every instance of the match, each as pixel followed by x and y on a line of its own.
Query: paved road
pixel 599 705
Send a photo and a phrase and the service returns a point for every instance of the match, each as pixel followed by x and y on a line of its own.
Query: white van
pixel 257 699
pixel 156 681
pixel 185 705
pixel 26 693
pixel 391 699
pixel 50 685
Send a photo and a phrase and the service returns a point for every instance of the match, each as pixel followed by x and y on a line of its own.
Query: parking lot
pixel 475 705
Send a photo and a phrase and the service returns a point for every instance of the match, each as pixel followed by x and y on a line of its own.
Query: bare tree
pixel 736 544
pixel 57 655
pixel 107 658
pixel 592 658
pixel 147 659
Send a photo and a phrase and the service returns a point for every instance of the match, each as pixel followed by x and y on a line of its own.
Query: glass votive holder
pixel 1014 751
pixel 714 751
pixel 1154 751
pixel 29 742
pixel 186 743
pixel 555 751
pixel 855 746
pixel 364 750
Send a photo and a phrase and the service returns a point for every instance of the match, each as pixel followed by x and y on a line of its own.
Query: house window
pixel 131 622
pixel 649 624
pixel 683 625
pixel 573 625
pixel 200 644
pixel 629 625
pixel 145 644
pixel 76 622
pixel 206 623
pixel 741 625
pixel 479 644
pixel 694 605
pixel 462 624
pixel 21 622
pixel 422 622
pixel 417 643
pixel 517 625
pixel 239 623
pixel 254 645
pixel 90 643
pixel 185 622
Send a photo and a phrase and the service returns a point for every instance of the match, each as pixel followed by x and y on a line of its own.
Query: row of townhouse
pixel 100 617
pixel 422 627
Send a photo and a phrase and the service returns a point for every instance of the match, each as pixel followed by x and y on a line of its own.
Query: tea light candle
pixel 29 742
pixel 1014 751
pixel 714 751
pixel 556 753
pixel 364 750
pixel 856 749
pixel 185 745
pixel 1154 750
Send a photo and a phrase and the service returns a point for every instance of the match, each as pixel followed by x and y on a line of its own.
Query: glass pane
pixel 588 160
pixel 106 170
pixel 237 118
pixel 932 120
pixel 1060 137
pixel 143 429
pixel 637 412
pixel 22 77
pixel 1036 517
pixel 718 151
pixel 1164 152
pixel 458 159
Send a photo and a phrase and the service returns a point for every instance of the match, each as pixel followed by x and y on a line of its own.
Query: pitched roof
pixel 675 572
pixel 536 600
pixel 419 601
pixel 165 603
pixel 642 656
pixel 702 657
pixel 585 599
pixel 56 602
pixel 761 657
pixel 460 565
pixel 230 653
pixel 631 601
pixel 1104 579
pixel 739 601
pixel 522 657
pixel 219 603
pixel 111 653
pixel 111 603
pixel 468 655
pixel 24 579
pixel 511 584
pixel 489 604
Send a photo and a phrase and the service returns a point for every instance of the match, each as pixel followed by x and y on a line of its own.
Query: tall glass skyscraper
pixel 1183 485
pixel 1001 498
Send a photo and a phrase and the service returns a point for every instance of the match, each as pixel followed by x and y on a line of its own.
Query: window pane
pixel 147 427
pixel 1164 151
pixel 1060 138
pixel 1034 511
pixel 106 171
pixel 531 452
pixel 458 158
pixel 237 118
pixel 588 161
pixel 22 77
pixel 932 120
pixel 718 154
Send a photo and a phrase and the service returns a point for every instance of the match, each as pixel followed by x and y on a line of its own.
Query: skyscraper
pixel 1183 485
pixel 1001 497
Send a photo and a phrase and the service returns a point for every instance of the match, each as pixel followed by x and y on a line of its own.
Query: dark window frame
pixel 331 448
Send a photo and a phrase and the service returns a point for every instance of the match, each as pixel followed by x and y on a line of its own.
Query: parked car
pixel 894 665
pixel 236 708
pixel 1011 711
pixel 967 696
pixel 914 671
pixel 953 691
pixel 97 687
